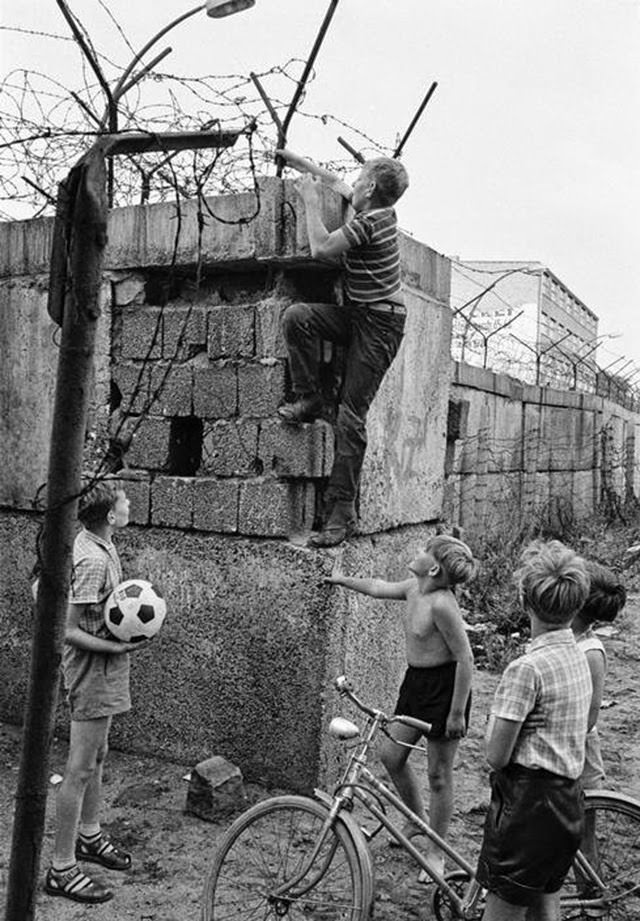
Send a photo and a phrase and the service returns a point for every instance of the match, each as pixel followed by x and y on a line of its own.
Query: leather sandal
pixel 75 885
pixel 102 851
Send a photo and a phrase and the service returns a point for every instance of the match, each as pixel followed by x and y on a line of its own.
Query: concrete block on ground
pixel 172 501
pixel 296 450
pixel 230 448
pixel 260 387
pixel 215 504
pixel 216 789
pixel 231 331
pixel 215 389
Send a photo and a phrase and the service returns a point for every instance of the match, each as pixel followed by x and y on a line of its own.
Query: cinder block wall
pixel 190 370
pixel 517 453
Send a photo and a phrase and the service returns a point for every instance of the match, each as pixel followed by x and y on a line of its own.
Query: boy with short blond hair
pixel 96 678
pixel 536 816
pixel 437 684
pixel 369 325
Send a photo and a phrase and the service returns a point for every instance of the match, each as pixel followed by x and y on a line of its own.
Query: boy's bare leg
pixel 546 909
pixel 394 757
pixel 442 754
pixel 92 800
pixel 87 738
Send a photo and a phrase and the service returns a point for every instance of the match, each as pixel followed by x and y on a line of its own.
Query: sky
pixel 528 150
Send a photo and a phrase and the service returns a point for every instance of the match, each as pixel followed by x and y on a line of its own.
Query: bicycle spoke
pixel 269 848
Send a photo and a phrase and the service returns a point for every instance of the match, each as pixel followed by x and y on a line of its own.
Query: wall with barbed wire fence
pixel 523 459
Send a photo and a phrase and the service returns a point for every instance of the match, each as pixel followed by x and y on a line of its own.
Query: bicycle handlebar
pixel 344 687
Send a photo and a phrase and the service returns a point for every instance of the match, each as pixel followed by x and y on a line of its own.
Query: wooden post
pixel 86 208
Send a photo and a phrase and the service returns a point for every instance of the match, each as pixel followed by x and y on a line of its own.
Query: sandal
pixel 102 851
pixel 74 884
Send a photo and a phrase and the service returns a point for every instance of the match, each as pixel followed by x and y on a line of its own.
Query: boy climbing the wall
pixel 370 324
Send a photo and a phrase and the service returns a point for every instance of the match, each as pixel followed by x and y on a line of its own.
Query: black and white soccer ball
pixel 134 611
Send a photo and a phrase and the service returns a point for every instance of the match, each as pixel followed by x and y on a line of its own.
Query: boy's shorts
pixel 97 683
pixel 426 694
pixel 531 834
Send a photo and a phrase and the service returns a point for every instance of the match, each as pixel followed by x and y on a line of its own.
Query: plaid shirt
pixel 551 678
pixel 96 572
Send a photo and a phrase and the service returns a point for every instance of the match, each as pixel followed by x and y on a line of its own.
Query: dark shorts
pixel 531 833
pixel 426 693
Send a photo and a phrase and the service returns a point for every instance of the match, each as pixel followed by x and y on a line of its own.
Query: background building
pixel 519 318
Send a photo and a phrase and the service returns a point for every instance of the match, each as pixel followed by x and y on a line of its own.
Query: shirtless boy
pixel 437 684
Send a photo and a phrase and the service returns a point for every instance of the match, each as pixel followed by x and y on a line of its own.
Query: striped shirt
pixel 373 261
pixel 96 572
pixel 551 678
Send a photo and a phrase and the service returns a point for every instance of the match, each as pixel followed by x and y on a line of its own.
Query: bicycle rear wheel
pixel 269 845
pixel 612 846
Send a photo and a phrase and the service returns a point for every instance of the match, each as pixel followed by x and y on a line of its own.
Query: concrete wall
pixel 190 369
pixel 518 454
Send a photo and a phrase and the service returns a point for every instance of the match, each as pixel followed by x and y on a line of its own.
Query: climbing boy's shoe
pixel 304 409
pixel 101 850
pixel 333 534
pixel 74 884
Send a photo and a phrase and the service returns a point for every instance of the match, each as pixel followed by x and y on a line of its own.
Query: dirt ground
pixel 145 802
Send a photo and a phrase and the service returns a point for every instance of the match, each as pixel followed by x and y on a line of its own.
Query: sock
pixel 90 831
pixel 62 866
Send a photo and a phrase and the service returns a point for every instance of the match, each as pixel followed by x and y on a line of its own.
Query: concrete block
pixel 127 289
pixel 150 444
pixel 184 330
pixel 425 270
pixel 296 450
pixel 403 471
pixel 141 332
pixel 25 246
pixel 151 236
pixel 272 508
pixel 231 331
pixel 260 387
pixel 215 505
pixel 215 390
pixel 132 380
pixel 268 327
pixel 137 485
pixel 230 448
pixel 171 389
pixel 215 789
pixel 172 501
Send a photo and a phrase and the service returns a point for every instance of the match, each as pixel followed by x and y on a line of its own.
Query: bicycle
pixel 301 857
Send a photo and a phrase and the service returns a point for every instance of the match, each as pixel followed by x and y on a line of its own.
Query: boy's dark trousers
pixel 371 339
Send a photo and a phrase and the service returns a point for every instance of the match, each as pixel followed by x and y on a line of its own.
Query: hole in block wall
pixel 185 445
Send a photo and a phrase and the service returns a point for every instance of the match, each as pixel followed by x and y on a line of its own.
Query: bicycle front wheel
pixel 269 846
pixel 611 845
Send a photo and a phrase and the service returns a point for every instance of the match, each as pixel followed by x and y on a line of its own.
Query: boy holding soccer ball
pixel 96 678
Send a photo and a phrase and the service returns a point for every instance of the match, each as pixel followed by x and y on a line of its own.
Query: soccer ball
pixel 134 611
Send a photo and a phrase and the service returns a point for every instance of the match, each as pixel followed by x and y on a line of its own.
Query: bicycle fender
pixel 346 818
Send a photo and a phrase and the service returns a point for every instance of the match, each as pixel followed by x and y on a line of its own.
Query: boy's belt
pixel 384 307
